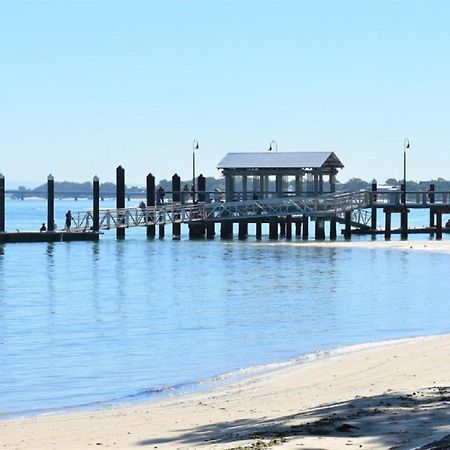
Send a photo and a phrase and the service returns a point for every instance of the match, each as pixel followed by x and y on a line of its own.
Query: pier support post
pixel 320 230
pixel 404 223
pixel 288 227
pixel 298 227
pixel 201 186
pixel 176 197
pixel 348 225
pixel 150 203
pixel 333 233
pixel 2 203
pixel 305 231
pixel 162 231
pixel 373 218
pixel 438 225
pixel 387 226
pixel 282 223
pixel 243 229
pixel 96 204
pixel 210 230
pixel 432 212
pixel 226 229
pixel 120 199
pixel 258 229
pixel 50 203
pixel 273 228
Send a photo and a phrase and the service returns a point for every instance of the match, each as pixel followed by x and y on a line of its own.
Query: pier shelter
pixel 264 175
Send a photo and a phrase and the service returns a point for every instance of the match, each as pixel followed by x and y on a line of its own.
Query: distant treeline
pixel 212 184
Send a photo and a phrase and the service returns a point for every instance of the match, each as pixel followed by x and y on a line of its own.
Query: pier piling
pixel 2 203
pixel 120 197
pixel 201 188
pixel 50 203
pixel 96 203
pixel 305 226
pixel 176 197
pixel 373 216
pixel 150 187
pixel 348 225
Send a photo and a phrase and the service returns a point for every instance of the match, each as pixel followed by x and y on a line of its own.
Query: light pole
pixel 194 147
pixel 270 146
pixel 405 146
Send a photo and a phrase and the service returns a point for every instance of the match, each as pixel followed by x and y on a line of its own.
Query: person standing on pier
pixel 161 193
pixel 68 220
pixel 43 228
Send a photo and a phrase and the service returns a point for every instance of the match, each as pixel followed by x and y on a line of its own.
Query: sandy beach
pixel 390 395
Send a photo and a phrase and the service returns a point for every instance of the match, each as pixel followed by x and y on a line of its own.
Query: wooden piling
pixel 438 225
pixel 151 231
pixel 243 229
pixel 320 229
pixel 258 229
pixel 50 203
pixel 273 228
pixel 387 226
pixel 162 231
pixel 96 203
pixel 282 222
pixel 176 197
pixel 201 188
pixel 288 227
pixel 2 203
pixel 404 223
pixel 210 230
pixel 305 226
pixel 373 218
pixel 226 229
pixel 333 232
pixel 431 197
pixel 120 198
pixel 348 225
pixel 298 227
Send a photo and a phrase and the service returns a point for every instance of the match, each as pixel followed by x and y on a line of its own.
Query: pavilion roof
pixel 280 160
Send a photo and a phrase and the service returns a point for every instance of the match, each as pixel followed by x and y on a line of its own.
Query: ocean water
pixel 87 324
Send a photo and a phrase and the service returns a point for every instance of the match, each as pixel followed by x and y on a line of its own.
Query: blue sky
pixel 89 85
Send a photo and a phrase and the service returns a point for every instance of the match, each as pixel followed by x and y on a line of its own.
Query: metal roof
pixel 279 160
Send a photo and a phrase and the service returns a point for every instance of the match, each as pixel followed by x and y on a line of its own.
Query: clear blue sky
pixel 89 85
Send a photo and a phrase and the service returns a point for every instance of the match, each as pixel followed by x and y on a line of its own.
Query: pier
pixel 247 200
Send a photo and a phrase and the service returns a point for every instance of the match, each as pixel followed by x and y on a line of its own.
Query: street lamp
pixel 405 146
pixel 194 147
pixel 270 146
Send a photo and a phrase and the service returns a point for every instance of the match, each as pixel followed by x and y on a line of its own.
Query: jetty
pixel 304 195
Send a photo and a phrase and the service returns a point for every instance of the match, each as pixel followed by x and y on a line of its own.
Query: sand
pixel 391 395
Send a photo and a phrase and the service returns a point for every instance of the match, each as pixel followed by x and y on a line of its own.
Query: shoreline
pixel 326 403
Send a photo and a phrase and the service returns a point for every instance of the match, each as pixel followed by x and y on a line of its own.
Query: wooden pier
pixel 287 214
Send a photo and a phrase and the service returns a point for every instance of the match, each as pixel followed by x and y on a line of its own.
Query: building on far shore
pixel 248 175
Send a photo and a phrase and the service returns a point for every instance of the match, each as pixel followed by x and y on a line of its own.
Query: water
pixel 90 324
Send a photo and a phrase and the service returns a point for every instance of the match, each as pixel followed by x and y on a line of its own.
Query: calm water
pixel 94 323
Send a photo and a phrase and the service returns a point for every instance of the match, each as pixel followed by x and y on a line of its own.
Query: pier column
pixel 387 226
pixel 438 225
pixel 431 199
pixel 2 203
pixel 320 230
pixel 176 197
pixel 258 229
pixel 288 227
pixel 162 231
pixel 50 203
pixel 373 218
pixel 210 230
pixel 120 198
pixel 298 227
pixel 333 180
pixel 273 228
pixel 279 186
pixel 243 229
pixel 150 182
pixel 333 232
pixel 404 223
pixel 226 229
pixel 96 204
pixel 201 186
pixel 282 223
pixel 348 225
pixel 305 231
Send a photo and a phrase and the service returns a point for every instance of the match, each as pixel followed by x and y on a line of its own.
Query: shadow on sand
pixel 391 420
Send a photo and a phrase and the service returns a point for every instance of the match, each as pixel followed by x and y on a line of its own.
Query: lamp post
pixel 405 146
pixel 270 146
pixel 194 147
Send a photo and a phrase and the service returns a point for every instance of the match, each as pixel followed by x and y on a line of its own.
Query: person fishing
pixel 68 220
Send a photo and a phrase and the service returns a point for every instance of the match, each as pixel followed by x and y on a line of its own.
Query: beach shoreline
pixel 377 396
pixel 389 394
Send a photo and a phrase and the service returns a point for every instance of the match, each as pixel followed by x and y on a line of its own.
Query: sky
pixel 86 86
